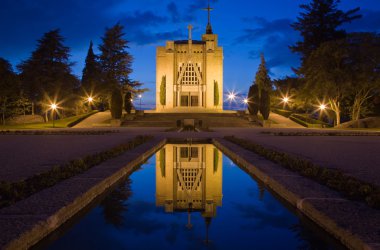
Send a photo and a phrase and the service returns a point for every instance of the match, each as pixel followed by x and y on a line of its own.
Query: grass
pixel 283 112
pixel 306 121
pixel 61 123
pixel 13 192
pixel 347 185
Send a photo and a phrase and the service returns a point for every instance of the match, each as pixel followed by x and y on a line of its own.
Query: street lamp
pixel 90 100
pixel 140 96
pixel 245 101
pixel 322 107
pixel 53 107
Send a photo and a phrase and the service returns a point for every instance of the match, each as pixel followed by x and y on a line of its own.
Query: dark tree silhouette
pixel 115 61
pixel 318 23
pixel 8 87
pixel 46 75
pixel 91 76
pixel 128 102
pixel 116 104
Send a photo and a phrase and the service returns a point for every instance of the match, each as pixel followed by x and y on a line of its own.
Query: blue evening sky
pixel 245 29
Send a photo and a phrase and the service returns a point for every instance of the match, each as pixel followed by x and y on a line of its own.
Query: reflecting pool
pixel 189 197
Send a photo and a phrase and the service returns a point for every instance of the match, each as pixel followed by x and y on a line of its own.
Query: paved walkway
pixel 282 120
pixel 99 119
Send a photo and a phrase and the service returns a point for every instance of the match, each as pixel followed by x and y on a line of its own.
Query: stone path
pixel 282 120
pixel 97 120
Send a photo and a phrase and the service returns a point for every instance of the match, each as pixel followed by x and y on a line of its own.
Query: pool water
pixel 190 197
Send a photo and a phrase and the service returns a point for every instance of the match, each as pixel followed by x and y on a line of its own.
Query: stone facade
pixel 190 69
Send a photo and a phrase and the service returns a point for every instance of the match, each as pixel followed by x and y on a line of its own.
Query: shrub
pixel 335 179
pixel 12 192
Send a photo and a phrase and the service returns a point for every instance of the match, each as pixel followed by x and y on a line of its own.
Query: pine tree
pixel 216 93
pixel 91 77
pixel 128 102
pixel 46 76
pixel 320 23
pixel 8 87
pixel 115 61
pixel 116 104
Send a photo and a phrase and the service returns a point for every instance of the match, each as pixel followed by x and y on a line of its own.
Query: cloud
pixel 173 11
pixel 144 19
pixel 272 38
pixel 146 28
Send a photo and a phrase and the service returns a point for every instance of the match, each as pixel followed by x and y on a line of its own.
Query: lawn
pixel 61 123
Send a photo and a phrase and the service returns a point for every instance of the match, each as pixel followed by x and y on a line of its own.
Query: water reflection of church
pixel 189 178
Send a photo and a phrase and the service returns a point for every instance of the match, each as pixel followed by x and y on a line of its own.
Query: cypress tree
pixel 116 104
pixel 253 99
pixel 264 85
pixel 265 104
pixel 216 93
pixel 163 91
pixel 91 75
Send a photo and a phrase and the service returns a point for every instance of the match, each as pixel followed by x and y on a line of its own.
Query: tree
pixel 264 84
pixel 320 23
pixel 265 104
pixel 253 99
pixel 163 91
pixel 327 74
pixel 116 104
pixel 216 93
pixel 8 87
pixel 364 50
pixel 344 70
pixel 128 102
pixel 46 76
pixel 115 61
pixel 91 75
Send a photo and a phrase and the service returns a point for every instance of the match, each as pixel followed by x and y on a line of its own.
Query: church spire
pixel 208 28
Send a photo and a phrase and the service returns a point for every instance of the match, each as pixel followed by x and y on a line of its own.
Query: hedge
pixel 13 192
pixel 349 186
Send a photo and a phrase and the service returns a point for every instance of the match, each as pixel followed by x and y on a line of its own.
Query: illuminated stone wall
pixel 177 56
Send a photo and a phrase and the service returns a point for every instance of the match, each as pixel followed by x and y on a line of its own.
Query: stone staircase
pixel 170 120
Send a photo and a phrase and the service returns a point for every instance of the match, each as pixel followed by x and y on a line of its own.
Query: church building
pixel 189 74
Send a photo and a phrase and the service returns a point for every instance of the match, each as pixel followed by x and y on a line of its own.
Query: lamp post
pixel 90 100
pixel 140 96
pixel 231 97
pixel 245 101
pixel 53 107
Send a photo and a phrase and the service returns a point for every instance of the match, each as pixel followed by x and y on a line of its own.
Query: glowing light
pixel 245 100
pixel 285 99
pixel 140 96
pixel 322 107
pixel 231 96
pixel 90 99
pixel 53 106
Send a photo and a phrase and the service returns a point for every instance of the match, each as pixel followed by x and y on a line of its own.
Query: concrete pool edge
pixel 325 221
pixel 52 222
pixel 46 224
